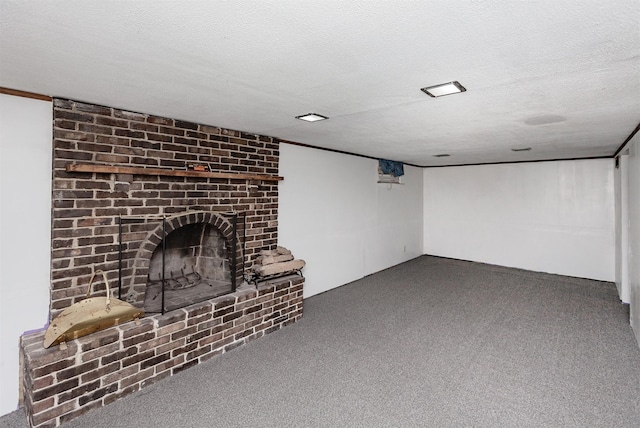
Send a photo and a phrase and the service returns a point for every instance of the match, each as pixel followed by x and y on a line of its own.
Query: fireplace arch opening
pixel 186 259
pixel 196 267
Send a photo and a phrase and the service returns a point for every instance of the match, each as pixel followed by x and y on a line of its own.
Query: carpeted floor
pixel 432 342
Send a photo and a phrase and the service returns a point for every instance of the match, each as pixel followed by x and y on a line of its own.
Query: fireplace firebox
pixel 199 256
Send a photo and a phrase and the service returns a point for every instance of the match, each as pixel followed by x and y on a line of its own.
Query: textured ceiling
pixel 559 76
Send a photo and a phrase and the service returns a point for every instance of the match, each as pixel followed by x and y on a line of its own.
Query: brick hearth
pixel 97 369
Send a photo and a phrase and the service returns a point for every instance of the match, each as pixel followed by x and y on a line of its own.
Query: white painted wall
pixel 621 176
pixel 634 232
pixel 555 217
pixel 552 216
pixel 25 230
pixel 333 214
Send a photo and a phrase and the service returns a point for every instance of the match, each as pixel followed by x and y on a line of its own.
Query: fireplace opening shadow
pixel 175 299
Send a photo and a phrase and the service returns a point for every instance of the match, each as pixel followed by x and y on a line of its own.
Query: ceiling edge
pixel 524 161
pixel 294 143
pixel 623 145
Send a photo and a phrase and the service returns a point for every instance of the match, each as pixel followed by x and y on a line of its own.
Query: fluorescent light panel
pixel 312 117
pixel 444 89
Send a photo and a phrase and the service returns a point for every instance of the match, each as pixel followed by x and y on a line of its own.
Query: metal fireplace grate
pixel 179 276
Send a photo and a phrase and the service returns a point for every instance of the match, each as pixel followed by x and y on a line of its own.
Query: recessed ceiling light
pixel 523 149
pixel 444 89
pixel 312 117
pixel 442 155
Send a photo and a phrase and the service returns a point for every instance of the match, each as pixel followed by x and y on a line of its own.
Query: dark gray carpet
pixel 431 342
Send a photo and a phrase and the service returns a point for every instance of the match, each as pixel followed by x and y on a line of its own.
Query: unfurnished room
pixel 319 214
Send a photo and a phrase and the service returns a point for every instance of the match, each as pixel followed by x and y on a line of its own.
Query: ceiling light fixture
pixel 312 117
pixel 524 149
pixel 444 89
pixel 442 155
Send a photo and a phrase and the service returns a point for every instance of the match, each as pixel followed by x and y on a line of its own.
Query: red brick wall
pixel 60 384
pixel 86 206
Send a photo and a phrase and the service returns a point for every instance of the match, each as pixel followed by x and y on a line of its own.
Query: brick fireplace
pixel 121 181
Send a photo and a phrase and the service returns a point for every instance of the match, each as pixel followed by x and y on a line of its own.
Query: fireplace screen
pixel 179 260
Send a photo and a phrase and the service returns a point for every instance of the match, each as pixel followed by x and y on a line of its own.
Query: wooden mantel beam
pixel 109 169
